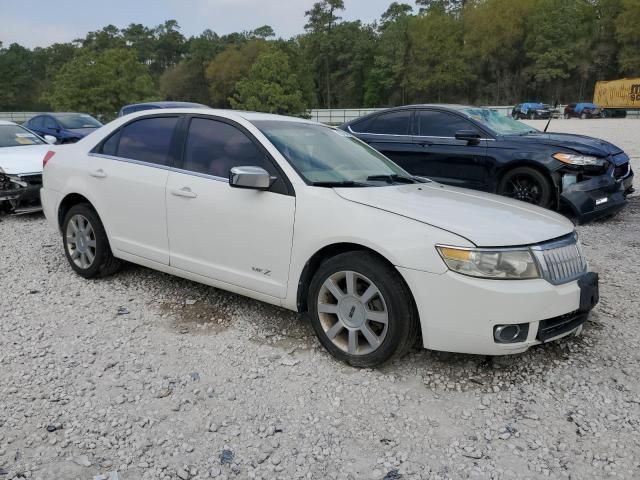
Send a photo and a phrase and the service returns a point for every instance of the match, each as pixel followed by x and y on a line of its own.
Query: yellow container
pixel 624 93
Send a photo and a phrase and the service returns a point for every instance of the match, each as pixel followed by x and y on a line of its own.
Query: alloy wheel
pixel 353 313
pixel 524 188
pixel 81 241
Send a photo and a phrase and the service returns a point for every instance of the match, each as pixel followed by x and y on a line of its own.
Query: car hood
pixel 25 159
pixel 484 219
pixel 579 143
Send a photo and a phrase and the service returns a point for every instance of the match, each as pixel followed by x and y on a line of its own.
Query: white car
pixel 307 217
pixel 21 153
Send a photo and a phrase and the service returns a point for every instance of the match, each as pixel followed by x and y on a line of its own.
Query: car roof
pixel 227 113
pixel 7 122
pixel 167 104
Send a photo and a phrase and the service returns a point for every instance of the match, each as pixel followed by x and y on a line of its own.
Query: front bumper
pixel 598 196
pixel 459 313
pixel 23 194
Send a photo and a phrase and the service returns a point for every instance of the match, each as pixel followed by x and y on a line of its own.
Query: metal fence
pixel 17 117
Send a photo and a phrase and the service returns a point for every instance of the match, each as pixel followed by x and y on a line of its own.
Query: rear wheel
pixel 528 185
pixel 86 244
pixel 361 309
pixel 567 116
pixel 583 116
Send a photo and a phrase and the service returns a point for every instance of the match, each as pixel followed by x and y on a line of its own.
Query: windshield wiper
pixel 339 183
pixel 394 177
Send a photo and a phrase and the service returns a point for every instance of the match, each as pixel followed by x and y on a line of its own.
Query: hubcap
pixel 525 189
pixel 81 241
pixel 353 312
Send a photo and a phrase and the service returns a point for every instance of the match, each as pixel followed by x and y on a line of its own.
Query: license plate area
pixel 589 291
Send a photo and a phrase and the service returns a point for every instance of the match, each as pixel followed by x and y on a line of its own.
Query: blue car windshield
pixel 498 123
pixel 80 120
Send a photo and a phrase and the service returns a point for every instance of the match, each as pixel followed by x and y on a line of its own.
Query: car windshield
pixel 80 120
pixel 498 123
pixel 17 136
pixel 325 155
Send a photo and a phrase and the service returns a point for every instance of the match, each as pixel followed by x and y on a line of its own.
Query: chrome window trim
pixel 379 134
pixel 161 167
pixel 450 138
pixel 417 137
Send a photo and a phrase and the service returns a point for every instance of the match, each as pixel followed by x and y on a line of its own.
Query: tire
pixel 567 116
pixel 528 185
pixel 583 116
pixel 88 253
pixel 532 116
pixel 341 321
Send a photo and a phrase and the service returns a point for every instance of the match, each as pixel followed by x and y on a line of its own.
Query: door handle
pixel 184 192
pixel 98 173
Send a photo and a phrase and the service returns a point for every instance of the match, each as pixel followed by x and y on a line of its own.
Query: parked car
pixel 65 127
pixel 582 110
pixel 138 107
pixel 376 255
pixel 481 149
pixel 21 154
pixel 532 111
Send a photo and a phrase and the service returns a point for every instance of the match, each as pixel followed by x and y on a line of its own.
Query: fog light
pixel 513 333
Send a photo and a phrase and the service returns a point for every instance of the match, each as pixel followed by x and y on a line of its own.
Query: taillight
pixel 47 156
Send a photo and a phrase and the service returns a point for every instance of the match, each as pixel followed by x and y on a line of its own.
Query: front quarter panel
pixel 323 218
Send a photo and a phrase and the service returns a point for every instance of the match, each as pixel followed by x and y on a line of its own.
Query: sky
pixel 40 23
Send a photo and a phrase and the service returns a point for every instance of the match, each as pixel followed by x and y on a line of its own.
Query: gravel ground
pixel 155 377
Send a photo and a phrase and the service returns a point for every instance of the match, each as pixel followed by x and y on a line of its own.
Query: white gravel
pixel 154 377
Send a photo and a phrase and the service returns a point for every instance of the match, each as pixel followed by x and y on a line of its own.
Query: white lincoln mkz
pixel 304 216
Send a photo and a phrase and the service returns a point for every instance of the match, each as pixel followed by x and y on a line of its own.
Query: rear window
pixel 147 140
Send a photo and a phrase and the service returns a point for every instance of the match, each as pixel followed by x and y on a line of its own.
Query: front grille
pixel 621 171
pixel 553 327
pixel 561 261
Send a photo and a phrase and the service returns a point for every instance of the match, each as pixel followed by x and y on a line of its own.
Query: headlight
pixel 490 263
pixel 579 159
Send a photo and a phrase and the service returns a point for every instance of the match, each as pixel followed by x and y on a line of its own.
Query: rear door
pixel 389 133
pixel 127 175
pixel 442 157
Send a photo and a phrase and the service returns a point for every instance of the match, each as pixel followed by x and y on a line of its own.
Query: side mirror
pixel 469 136
pixel 50 139
pixel 254 178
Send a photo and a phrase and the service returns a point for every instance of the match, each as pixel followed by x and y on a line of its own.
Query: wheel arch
pixel 536 166
pixel 69 201
pixel 329 251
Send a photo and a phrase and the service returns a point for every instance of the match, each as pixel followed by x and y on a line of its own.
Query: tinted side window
pixel 214 148
pixel 36 122
pixel 50 123
pixel 147 140
pixel 440 124
pixel 394 123
pixel 110 146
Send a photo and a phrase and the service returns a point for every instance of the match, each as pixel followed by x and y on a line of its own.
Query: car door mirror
pixel 50 139
pixel 254 178
pixel 469 136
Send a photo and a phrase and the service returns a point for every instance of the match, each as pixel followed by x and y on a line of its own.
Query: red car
pixel 582 110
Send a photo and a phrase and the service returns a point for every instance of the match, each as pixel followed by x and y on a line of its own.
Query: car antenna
pixel 555 106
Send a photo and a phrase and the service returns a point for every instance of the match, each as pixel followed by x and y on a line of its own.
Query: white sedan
pixel 21 154
pixel 304 216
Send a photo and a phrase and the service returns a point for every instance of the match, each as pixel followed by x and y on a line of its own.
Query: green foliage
pixel 271 86
pixel 476 51
pixel 101 82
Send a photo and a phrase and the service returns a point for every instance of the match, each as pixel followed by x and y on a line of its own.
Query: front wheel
pixel 528 185
pixel 86 245
pixel 567 116
pixel 584 116
pixel 361 309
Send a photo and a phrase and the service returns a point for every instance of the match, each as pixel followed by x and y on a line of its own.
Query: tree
pixel 628 34
pixel 169 48
pixel 263 32
pixel 230 66
pixel 271 86
pixel 100 83
pixel 320 22
pixel 16 81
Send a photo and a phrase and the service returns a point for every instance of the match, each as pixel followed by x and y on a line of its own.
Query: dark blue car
pixel 137 107
pixel 66 127
pixel 479 148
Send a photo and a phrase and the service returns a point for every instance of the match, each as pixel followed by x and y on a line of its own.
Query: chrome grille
pixel 560 261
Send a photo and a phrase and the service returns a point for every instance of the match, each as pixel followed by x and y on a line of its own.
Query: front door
pixel 443 158
pixel 237 236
